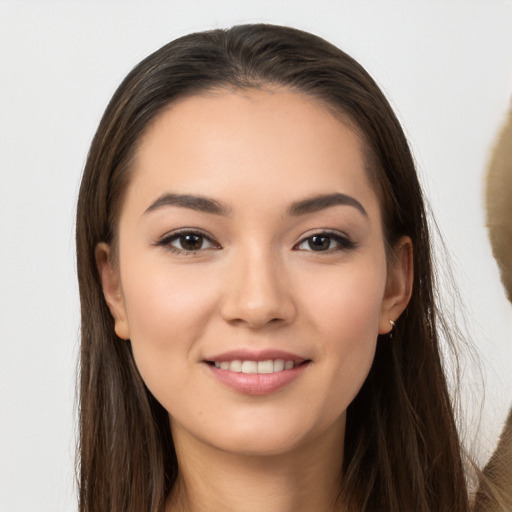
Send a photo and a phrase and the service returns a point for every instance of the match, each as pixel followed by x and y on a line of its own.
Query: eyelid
pixel 342 238
pixel 165 240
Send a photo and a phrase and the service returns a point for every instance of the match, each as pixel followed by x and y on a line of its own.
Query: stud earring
pixel 392 327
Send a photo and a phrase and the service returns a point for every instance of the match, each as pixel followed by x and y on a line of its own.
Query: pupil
pixel 191 242
pixel 319 243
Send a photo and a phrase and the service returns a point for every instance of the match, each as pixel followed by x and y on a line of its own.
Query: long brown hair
pixel 402 450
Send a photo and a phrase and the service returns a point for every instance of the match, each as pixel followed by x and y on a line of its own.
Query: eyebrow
pixel 321 202
pixel 207 205
pixel 198 203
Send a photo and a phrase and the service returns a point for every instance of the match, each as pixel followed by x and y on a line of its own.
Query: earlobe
pixel 398 286
pixel 112 290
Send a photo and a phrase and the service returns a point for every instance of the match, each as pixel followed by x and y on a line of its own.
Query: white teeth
pixel 249 367
pixel 236 366
pixel 265 366
pixel 269 366
pixel 278 365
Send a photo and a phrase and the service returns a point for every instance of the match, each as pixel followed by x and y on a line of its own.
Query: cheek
pixel 167 310
pixel 347 301
pixel 346 316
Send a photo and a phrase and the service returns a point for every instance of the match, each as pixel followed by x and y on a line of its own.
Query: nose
pixel 257 294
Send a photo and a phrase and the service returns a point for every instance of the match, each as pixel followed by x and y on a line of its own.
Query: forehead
pixel 278 144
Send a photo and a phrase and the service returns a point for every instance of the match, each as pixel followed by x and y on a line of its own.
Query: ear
pixel 399 284
pixel 111 284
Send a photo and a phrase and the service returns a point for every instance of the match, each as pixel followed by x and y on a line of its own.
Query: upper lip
pixel 256 355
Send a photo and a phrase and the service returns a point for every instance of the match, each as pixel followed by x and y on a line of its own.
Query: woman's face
pixel 251 274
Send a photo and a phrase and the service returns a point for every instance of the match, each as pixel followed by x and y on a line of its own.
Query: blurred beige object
pixel 498 203
pixel 495 490
pixel 495 487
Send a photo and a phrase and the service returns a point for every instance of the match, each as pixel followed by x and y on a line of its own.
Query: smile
pixel 256 373
pixel 248 366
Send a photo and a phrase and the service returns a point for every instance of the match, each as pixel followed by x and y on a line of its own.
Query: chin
pixel 263 442
pixel 267 434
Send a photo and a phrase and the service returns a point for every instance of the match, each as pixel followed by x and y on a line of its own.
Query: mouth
pixel 256 373
pixel 249 366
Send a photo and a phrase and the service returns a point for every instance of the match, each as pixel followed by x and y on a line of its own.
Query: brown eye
pixel 191 242
pixel 319 243
pixel 326 242
pixel 187 242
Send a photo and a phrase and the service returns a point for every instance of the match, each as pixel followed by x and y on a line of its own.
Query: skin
pixel 254 283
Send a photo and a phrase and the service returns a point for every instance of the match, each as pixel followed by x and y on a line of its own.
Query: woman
pixel 258 323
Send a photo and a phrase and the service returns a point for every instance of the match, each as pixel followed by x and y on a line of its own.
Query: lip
pixel 256 384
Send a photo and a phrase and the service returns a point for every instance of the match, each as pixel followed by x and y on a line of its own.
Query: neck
pixel 306 478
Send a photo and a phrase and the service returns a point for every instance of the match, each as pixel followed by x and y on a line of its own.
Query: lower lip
pixel 257 384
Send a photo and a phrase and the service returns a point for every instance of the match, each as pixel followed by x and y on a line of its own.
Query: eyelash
pixel 344 243
pixel 176 235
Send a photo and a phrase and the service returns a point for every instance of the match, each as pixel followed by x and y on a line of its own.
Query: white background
pixel 446 66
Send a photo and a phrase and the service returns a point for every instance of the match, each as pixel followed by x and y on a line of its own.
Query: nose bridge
pixel 257 291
